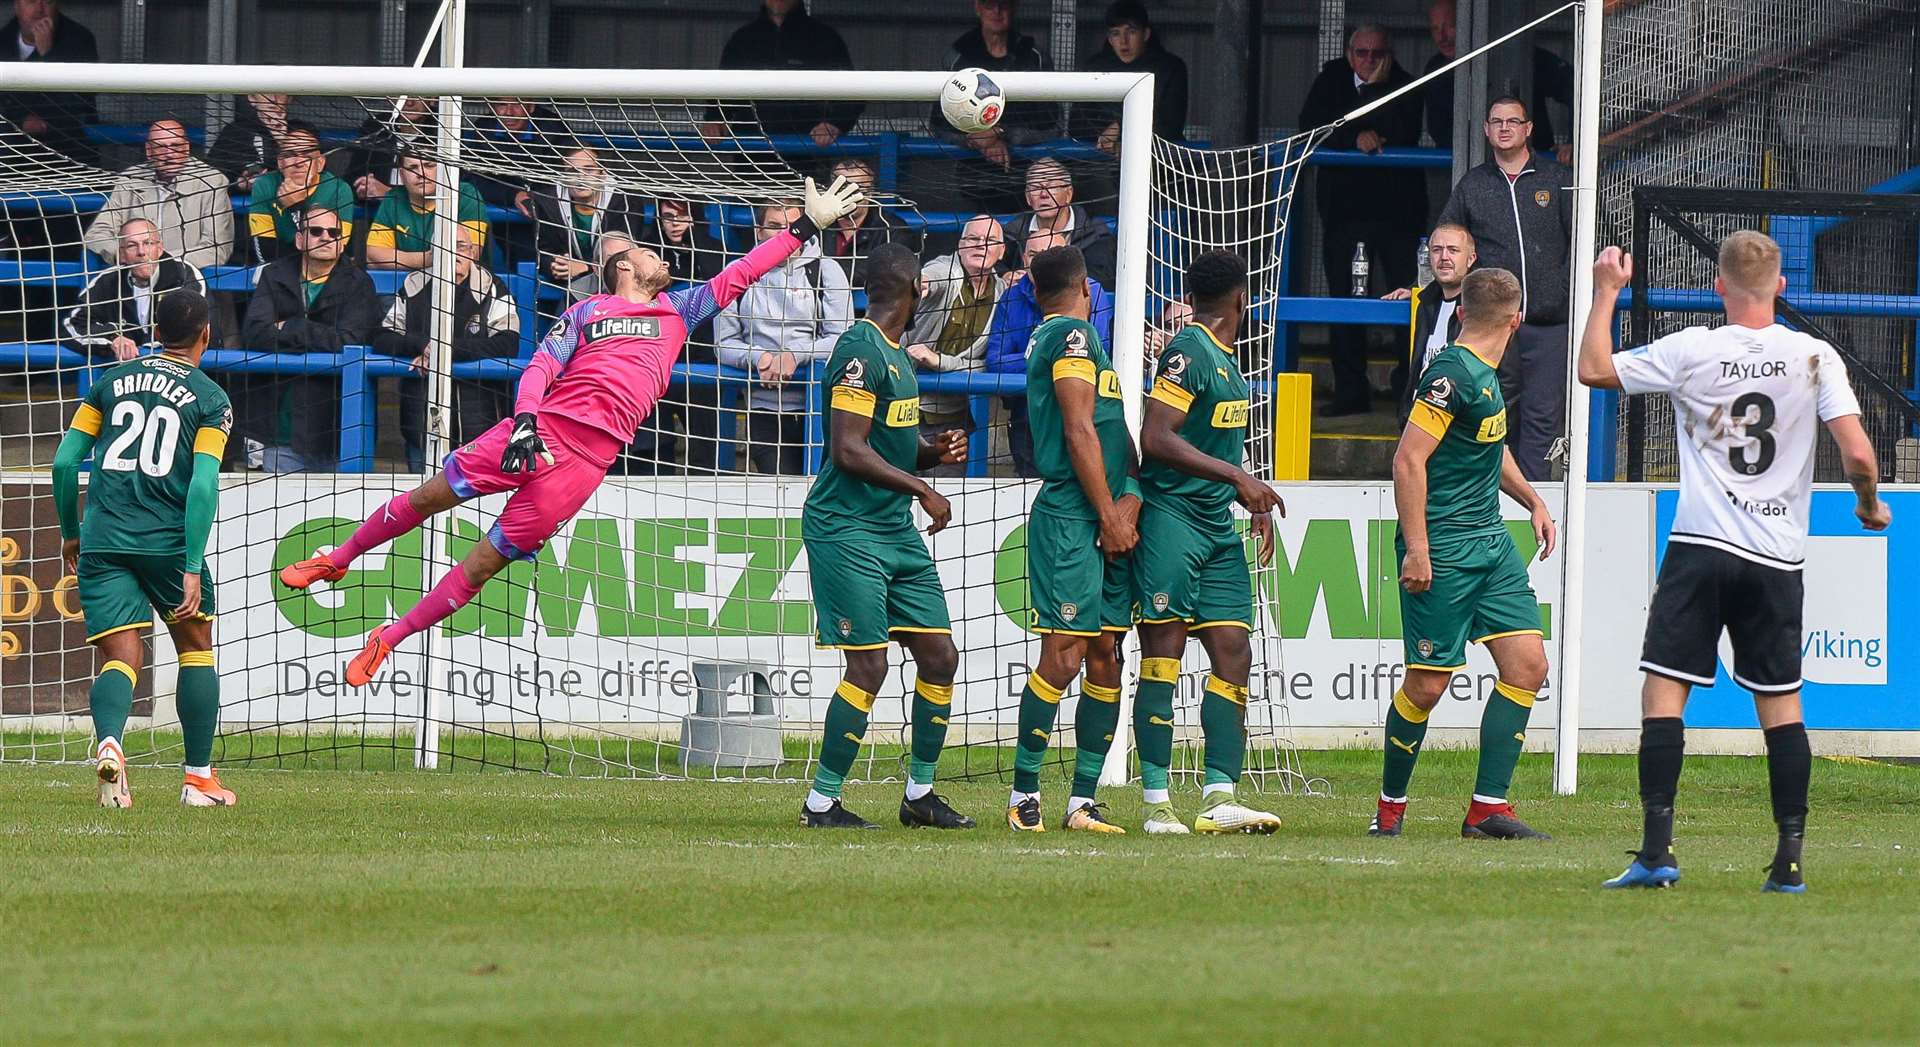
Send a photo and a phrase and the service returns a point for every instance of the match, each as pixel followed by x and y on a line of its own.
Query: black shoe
pixel 1784 875
pixel 931 812
pixel 1502 824
pixel 834 817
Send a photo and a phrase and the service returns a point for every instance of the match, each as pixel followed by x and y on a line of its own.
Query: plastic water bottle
pixel 1423 265
pixel 1360 269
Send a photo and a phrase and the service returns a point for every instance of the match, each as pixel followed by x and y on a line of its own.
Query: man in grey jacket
pixel 949 331
pixel 788 319
pixel 183 196
pixel 1519 208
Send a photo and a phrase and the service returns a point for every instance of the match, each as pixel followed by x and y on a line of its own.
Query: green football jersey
pixel 149 417
pixel 265 216
pixel 1063 346
pixel 1198 375
pixel 1460 404
pixel 397 225
pixel 872 377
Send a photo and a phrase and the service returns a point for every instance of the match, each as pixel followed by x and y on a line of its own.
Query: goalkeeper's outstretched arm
pixel 697 305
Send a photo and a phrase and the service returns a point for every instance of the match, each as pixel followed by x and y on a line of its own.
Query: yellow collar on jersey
pixel 1211 337
pixel 883 334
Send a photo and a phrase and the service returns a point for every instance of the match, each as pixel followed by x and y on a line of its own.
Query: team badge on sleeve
pixel 1076 343
pixel 1439 391
pixel 1175 367
pixel 226 419
pixel 855 376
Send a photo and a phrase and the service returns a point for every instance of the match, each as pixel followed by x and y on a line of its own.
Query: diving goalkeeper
pixel 593 381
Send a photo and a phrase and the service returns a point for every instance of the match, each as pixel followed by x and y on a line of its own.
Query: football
pixel 972 101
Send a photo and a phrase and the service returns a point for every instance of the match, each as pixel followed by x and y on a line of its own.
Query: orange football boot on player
pixel 306 572
pixel 369 660
pixel 111 768
pixel 206 791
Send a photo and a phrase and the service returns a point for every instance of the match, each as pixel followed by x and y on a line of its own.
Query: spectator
pixel 1552 81
pixel 1435 320
pixel 693 255
pixel 1050 195
pixel 373 167
pixel 1384 208
pixel 854 237
pixel 788 319
pixel 115 314
pixel 949 329
pixel 1133 47
pixel 249 146
pixel 996 46
pixel 312 301
pixel 570 217
pixel 784 36
pixel 299 183
pixel 184 198
pixel 1014 319
pixel 486 326
pixel 519 135
pixel 401 236
pixel 1520 213
pixel 41 32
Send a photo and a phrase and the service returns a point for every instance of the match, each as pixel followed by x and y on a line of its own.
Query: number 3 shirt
pixel 1747 405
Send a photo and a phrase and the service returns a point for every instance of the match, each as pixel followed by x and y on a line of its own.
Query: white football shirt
pixel 1747 407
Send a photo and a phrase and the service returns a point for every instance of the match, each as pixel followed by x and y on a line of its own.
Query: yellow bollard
pixel 1292 425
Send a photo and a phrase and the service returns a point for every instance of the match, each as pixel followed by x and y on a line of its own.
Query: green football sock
pixel 1223 719
pixel 1153 719
pixel 1503 731
pixel 198 701
pixel 1093 726
pixel 931 703
pixel 1406 729
pixel 111 700
pixel 846 725
pixel 1039 705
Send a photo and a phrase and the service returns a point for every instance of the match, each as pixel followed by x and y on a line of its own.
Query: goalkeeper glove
pixel 823 208
pixel 522 445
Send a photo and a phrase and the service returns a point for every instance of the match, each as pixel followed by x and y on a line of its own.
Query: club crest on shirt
pixel 855 376
pixel 1425 647
pixel 1176 366
pixel 1542 197
pixel 1069 611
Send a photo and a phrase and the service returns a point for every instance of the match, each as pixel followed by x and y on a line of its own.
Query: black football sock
pixel 1663 747
pixel 1789 766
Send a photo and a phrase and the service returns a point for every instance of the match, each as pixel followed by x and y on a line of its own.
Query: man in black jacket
pixel 988 180
pixel 1519 209
pixel 314 301
pixel 114 318
pixel 692 255
pixel 1050 196
pixel 784 36
pixel 40 32
pixel 486 326
pixel 1382 207
pixel 1436 320
pixel 1133 47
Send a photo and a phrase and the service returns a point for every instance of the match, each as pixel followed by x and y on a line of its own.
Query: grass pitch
pixel 402 907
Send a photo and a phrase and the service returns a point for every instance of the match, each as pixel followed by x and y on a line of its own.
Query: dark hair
pixel 1215 275
pixel 301 127
pixel 1128 12
pixel 179 318
pixel 892 274
pixel 1526 111
pixel 1054 271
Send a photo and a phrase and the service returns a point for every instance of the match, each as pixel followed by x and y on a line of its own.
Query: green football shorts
pixel 1184 572
pixel 1072 587
pixel 1480 592
pixel 123 590
pixel 864 591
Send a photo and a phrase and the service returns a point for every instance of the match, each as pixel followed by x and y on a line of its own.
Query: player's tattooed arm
pixel 1861 465
pixel 1410 505
pixel 853 455
pixel 1516 487
pixel 1611 271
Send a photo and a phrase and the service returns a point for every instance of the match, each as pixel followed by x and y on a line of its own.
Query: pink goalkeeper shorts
pixel 544 499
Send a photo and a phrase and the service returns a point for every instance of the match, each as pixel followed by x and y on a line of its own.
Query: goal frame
pixel 453 82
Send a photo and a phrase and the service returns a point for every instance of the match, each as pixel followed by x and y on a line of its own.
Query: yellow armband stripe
pixel 262 225
pixel 1432 420
pixel 210 440
pixel 1075 367
pixel 1172 395
pixel 853 401
pixel 86 420
pixel 380 236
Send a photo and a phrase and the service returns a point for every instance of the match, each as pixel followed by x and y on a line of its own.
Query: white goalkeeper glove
pixel 839 200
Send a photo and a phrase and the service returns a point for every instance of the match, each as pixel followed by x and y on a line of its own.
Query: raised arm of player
pixel 1611 271
pixel 696 305
pixel 1410 504
pixel 1517 488
pixel 74 448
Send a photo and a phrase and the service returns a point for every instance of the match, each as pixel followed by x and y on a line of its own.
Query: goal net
pixel 667 630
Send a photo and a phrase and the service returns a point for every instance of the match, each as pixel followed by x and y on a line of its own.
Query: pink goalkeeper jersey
pixel 607 361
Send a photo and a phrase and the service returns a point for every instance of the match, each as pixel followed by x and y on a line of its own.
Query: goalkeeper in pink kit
pixel 594 379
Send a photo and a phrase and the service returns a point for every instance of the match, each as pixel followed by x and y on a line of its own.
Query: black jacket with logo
pixel 109 309
pixel 1523 225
